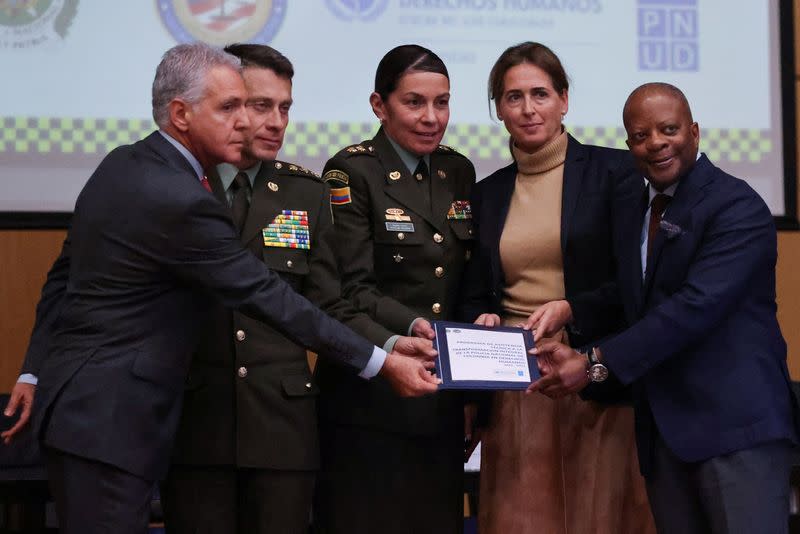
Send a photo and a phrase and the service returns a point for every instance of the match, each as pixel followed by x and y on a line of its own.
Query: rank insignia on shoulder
pixel 445 148
pixel 340 196
pixel 337 175
pixel 460 209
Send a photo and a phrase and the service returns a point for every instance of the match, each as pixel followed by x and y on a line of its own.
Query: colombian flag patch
pixel 340 196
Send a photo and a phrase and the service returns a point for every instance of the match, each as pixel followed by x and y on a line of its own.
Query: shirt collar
pixel 409 160
pixel 228 172
pixel 198 169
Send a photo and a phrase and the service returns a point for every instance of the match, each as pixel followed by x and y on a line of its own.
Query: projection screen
pixel 77 76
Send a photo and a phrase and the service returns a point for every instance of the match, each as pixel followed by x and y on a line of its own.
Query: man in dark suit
pixel 715 416
pixel 124 304
pixel 247 382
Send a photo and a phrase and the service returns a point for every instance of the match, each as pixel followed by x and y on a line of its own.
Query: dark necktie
pixel 240 189
pixel 421 175
pixel 657 207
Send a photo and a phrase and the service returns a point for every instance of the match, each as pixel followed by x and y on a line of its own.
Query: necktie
pixel 205 184
pixel 657 207
pixel 422 177
pixel 240 189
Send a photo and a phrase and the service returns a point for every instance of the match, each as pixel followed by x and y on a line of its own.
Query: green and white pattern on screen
pixel 317 140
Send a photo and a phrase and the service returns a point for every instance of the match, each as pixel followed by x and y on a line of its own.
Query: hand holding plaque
pixel 478 357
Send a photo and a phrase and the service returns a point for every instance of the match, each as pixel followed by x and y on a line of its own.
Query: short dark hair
pixel 401 60
pixel 262 56
pixel 532 53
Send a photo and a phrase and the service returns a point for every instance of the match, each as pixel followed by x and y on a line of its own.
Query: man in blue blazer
pixel 715 414
pixel 123 306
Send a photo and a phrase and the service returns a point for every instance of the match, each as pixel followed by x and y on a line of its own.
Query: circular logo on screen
pixel 365 10
pixel 28 23
pixel 220 22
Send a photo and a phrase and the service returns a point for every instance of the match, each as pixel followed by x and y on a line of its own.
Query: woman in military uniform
pixel 402 222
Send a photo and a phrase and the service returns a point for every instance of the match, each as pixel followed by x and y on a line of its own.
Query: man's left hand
pixel 418 348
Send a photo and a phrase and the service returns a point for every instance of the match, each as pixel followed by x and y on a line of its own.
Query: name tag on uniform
pixel 400 226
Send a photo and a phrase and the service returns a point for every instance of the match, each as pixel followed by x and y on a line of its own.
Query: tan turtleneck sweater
pixel 530 246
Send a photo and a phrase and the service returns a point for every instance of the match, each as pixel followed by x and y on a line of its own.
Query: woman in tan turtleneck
pixel 544 259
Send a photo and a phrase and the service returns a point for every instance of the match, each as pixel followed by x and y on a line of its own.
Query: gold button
pixel 242 372
pixel 308 385
pixel 439 272
pixel 401 236
pixel 437 308
pixel 418 176
pixel 289 263
pixel 397 258
pixel 438 238
pixel 240 335
pixel 278 165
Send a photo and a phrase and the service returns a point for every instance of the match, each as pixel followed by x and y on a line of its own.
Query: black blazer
pixel 124 305
pixel 596 179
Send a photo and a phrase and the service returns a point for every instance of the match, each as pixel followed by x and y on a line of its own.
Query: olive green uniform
pixel 402 244
pixel 247 448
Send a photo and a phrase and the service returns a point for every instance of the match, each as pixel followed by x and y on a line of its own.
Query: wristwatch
pixel 596 371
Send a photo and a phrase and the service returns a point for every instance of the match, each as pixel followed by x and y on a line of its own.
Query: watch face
pixel 598 372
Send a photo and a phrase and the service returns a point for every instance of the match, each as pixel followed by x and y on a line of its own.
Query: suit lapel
pixel 574 166
pixel 404 189
pixel 265 203
pixel 679 211
pixel 500 196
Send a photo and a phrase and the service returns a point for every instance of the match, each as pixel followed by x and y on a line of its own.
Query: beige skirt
pixel 563 466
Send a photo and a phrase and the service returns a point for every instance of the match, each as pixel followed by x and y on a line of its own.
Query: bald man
pixel 715 416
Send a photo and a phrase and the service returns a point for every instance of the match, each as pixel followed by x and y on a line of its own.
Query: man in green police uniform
pixel 247 448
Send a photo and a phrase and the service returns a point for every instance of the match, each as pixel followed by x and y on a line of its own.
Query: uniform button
pixel 470 231
pixel 438 237
pixel 289 263
pixel 467 255
pixel 242 372
pixel 418 176
pixel 397 258
pixel 401 236
pixel 436 308
pixel 439 272
pixel 308 385
pixel 240 335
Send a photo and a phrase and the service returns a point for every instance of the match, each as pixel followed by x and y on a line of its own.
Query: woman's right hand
pixel 488 319
pixel 548 319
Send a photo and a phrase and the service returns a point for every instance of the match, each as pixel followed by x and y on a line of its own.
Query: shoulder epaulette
pixel 444 149
pixel 361 149
pixel 295 169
